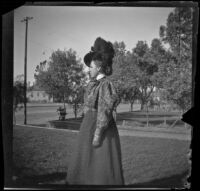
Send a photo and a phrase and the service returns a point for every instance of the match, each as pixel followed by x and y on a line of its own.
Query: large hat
pixel 102 50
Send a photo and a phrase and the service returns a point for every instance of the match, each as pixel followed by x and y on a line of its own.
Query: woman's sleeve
pixel 107 102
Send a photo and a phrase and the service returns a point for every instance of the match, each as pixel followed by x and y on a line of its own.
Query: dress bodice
pixel 91 95
pixel 101 93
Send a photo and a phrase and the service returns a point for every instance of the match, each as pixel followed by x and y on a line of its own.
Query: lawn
pixel 41 155
pixel 42 113
pixel 39 115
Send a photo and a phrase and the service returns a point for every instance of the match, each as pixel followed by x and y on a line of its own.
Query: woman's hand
pixel 96 141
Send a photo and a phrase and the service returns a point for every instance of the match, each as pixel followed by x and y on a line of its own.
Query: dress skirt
pixel 91 165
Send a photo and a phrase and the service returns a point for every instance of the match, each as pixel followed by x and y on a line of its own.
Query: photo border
pixel 7 78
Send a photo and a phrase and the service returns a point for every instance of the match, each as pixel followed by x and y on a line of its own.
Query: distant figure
pixel 96 159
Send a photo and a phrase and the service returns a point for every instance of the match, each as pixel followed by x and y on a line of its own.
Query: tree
pixel 135 72
pixel 124 73
pixel 178 34
pixel 147 67
pixel 130 79
pixel 18 94
pixel 118 63
pixel 62 76
pixel 77 98
pixel 130 94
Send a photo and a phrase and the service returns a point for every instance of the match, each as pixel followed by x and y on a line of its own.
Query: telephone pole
pixel 26 19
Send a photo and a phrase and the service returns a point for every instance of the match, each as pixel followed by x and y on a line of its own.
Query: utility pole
pixel 26 19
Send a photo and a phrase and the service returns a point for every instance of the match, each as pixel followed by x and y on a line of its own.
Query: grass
pixel 40 114
pixel 42 155
pixel 40 117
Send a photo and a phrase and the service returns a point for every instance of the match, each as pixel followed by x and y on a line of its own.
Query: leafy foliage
pixel 18 95
pixel 124 73
pixel 148 67
pixel 178 34
pixel 62 76
pixel 136 73
pixel 18 92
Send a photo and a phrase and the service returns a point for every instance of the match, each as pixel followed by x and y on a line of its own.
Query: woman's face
pixel 94 68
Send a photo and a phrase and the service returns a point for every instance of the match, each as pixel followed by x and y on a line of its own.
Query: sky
pixel 77 27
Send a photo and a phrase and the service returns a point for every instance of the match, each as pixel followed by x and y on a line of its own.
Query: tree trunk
pixel 131 108
pixel 64 100
pixel 75 110
pixel 142 105
pixel 53 98
pixel 165 119
pixel 147 115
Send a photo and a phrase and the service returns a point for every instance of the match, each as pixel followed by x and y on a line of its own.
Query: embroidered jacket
pixel 102 96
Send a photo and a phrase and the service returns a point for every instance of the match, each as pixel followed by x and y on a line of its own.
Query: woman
pixel 97 157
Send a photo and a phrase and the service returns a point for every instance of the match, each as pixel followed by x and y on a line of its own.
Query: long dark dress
pixel 101 165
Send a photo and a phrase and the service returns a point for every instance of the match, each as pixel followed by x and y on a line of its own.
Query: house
pixel 36 94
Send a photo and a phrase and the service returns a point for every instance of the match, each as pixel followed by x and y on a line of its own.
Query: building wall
pixel 38 96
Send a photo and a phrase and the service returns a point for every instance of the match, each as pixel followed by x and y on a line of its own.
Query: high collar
pixel 100 76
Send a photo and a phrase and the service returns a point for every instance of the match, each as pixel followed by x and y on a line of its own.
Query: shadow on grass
pixel 48 181
pixel 175 181
pixel 39 180
pixel 39 125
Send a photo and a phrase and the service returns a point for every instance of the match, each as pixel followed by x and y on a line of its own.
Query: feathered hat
pixel 102 50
